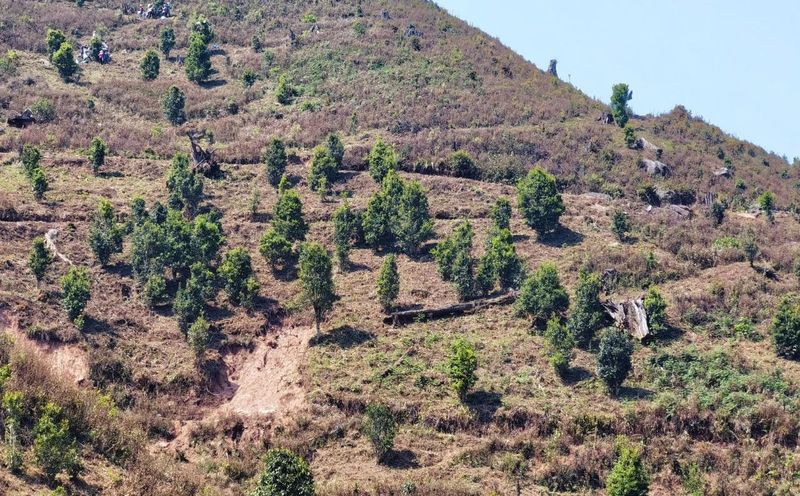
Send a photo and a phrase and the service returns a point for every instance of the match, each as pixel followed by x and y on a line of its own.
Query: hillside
pixel 712 406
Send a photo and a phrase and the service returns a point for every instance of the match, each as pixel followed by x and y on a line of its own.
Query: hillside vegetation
pixel 178 329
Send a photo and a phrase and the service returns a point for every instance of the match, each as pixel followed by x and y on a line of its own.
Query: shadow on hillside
pixel 519 238
pixel 346 175
pixel 484 404
pixel 344 337
pixel 400 459
pixel 261 217
pixel 563 236
pixel 120 269
pixel 108 174
pixel 634 393
pixel 94 326
pixel 575 375
pixel 668 336
pixel 355 267
pixel 214 83
pixel 286 274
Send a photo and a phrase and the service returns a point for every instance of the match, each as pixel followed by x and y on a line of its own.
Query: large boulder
pixel 654 167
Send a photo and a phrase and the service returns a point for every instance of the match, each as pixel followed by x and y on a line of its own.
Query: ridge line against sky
pixel 734 63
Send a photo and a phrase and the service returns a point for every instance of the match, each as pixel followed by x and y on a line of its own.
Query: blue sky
pixel 736 63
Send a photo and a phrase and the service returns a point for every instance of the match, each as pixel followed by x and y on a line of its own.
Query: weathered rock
pixel 50 243
pixel 723 172
pixel 606 118
pixel 654 167
pixel 629 315
pixel 646 145
pixel 680 210
pixel 552 68
pixel 412 30
pixel 22 119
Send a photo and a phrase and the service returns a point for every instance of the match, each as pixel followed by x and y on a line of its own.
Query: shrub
pixel 750 247
pixel 39 259
pixel 284 474
pixel 388 283
pixel 198 60
pixel 43 110
pixel 97 154
pixel 345 228
pixel 235 270
pixel 462 164
pixel 587 316
pixel 95 47
pixel 202 28
pixel 166 40
pixel 64 62
pixel 656 309
pixel 150 65
pixel 614 358
pixel 461 367
pixel 766 201
pixel 316 280
pixel 335 148
pixel 506 264
pixel 323 168
pixel 380 221
pixel 248 78
pixel 184 185
pixel 309 18
pixel 414 224
pixel 786 329
pixel 155 291
pixel 628 477
pixel 54 40
pixel 539 201
pixel 630 136
pixel 149 250
pixel 275 161
pixel 207 238
pixel 620 96
pixel 30 158
pixel 276 250
pixel 287 219
pixel 649 195
pixel 172 105
pixel 716 212
pixel 381 428
pixel 199 335
pixel 381 159
pixel 188 306
pixel 559 345
pixel 76 290
pixel 284 93
pixel 105 236
pixel 39 184
pixel 446 251
pixel 255 44
pixel 620 225
pixel 501 214
pixel 541 295
pixel 53 447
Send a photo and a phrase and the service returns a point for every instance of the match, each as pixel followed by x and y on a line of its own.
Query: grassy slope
pixel 566 429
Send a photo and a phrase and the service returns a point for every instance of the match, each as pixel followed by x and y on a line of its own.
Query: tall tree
pixel 185 186
pixel 381 159
pixel 414 224
pixel 587 316
pixel 105 236
pixel 539 201
pixel 275 161
pixel 198 60
pixel 172 104
pixel 316 279
pixel 39 260
pixel 345 225
pixel 388 283
pixel 620 96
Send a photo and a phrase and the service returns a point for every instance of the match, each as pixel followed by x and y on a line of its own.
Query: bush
pixel 620 96
pixel 323 169
pixel 105 236
pixel 335 148
pixel 445 252
pixel 185 186
pixel 750 247
pixel 414 224
pixel 30 158
pixel 381 428
pixel 614 358
pixel 248 78
pixel 39 184
pixel 39 259
pixel 388 283
pixel 255 44
pixel 380 221
pixel 786 329
pixel 43 110
pixel 502 255
pixel 539 201
pixel 188 306
pixel 76 290
pixel 381 159
pixel 198 60
pixel 284 474
pixel 630 136
pixel 656 309
pixel 461 367
pixel 64 62
pixel 276 250
pixel 287 219
pixel 345 229
pixel 150 65
pixel 155 291
pixel 587 316
pixel 541 295
pixel 649 195
pixel 97 154
pixel 501 214
pixel 766 201
pixel 462 165
pixel 275 161
pixel 559 345
pixel 172 104
pixel 284 93
pixel 620 225
pixel 236 270
pixel 628 477
pixel 316 280
pixel 166 41
pixel 716 212
pixel 199 336
pixel 54 40
pixel 53 447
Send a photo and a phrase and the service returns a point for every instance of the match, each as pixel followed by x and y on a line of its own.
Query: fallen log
pixel 50 243
pixel 423 314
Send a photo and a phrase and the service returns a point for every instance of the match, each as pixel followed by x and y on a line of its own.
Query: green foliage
pixel 785 328
pixel 199 335
pixel 105 236
pixel 95 47
pixel 9 63
pixel 276 250
pixel 414 224
pixel 716 212
pixel 248 78
pixel 323 169
pixel 335 148
pixel 541 295
pixel 275 160
pixel 620 225
pixel 461 367
pixel 614 358
pixel 64 61
pixel 649 195
pixel 766 201
pixel 656 309
pixel 630 136
pixel 381 216
pixel 620 96
pixel 55 38
pixel 316 280
pixel 150 65
pixel 345 229
pixel 155 291
pixel 381 428
pixel 381 159
pixel 628 477
pixel 284 474
pixel 206 238
pixel 255 44
pixel 188 305
pixel 560 343
pixel 287 219
pixel 462 165
pixel 309 18
pixel 30 158
pixel 172 104
pixel 53 447
pixel 284 92
pixel 97 154
pixel 198 60
pixel 501 214
pixel 388 283
pixel 539 201
pixel 149 251
pixel 202 28
pixel 43 110
pixel 166 41
pixel 587 315
pixel 236 271
pixel 185 186
pixel 39 259
pixel 750 247
pixel 76 291
pixel 446 252
pixel 39 183
pixel 505 263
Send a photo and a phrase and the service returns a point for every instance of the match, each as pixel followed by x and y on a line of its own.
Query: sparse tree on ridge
pixel 539 201
pixel 316 279
pixel 388 283
pixel 620 96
